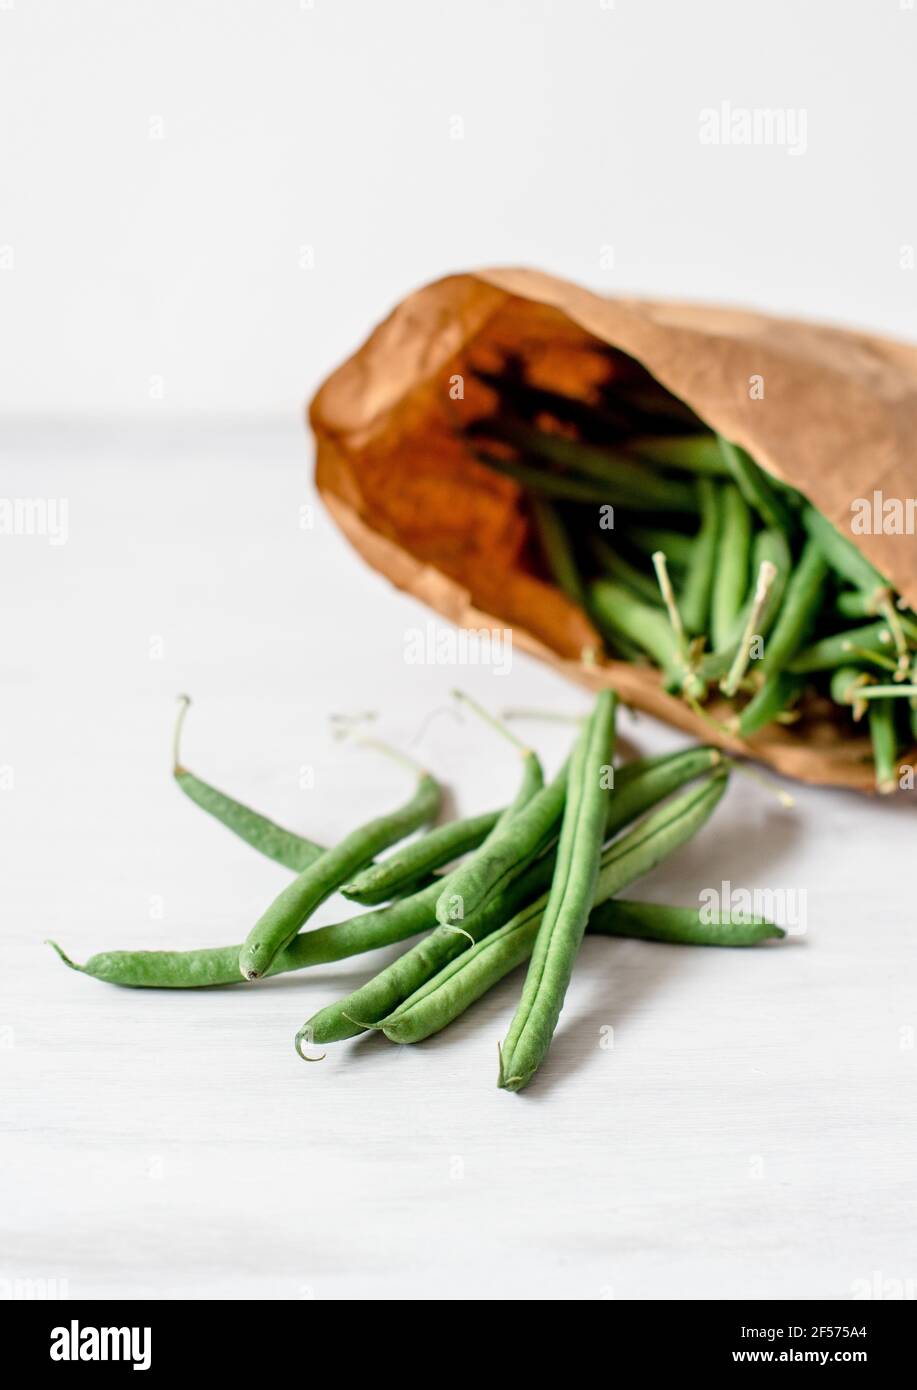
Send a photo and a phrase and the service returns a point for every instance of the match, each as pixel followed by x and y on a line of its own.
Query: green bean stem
pixel 569 901
pixel 766 575
pixel 291 908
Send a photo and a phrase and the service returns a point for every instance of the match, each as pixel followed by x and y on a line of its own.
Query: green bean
pixel 410 865
pixel 679 926
pixel 694 602
pixel 379 996
pixel 616 611
pixel 677 548
pixel 846 560
pixel 841 554
pixel 772 699
pixel 640 785
pixel 613 563
pixel 219 965
pixel 555 546
pixel 836 650
pixel 458 985
pixel 857 604
pixel 293 851
pixel 754 485
pixel 730 583
pixel 632 479
pixel 443 997
pixel 291 908
pixel 802 600
pixel 523 832
pixel 569 901
pixel 846 683
pixel 349 1016
pixel 637 787
pixel 699 453
pixel 402 872
pixel 884 745
pixel 539 483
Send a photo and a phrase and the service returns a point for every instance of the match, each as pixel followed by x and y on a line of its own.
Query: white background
pixel 166 307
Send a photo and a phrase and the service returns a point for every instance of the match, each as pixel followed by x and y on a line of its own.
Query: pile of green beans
pixel 740 592
pixel 532 877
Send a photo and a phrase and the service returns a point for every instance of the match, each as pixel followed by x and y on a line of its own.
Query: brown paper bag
pixel 837 419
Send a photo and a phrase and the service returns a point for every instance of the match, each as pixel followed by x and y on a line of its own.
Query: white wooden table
pixel 750 1133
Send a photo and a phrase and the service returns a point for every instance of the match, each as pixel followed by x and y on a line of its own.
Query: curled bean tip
pixel 302 1037
pixel 63 954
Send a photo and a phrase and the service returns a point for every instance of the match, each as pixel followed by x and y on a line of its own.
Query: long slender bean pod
pixel 443 997
pixel 607 467
pixel 411 864
pixel 637 787
pixel 219 965
pixel 569 901
pixel 679 926
pixel 616 611
pixel 518 837
pixel 844 557
pixel 884 745
pixel 730 583
pixel 698 453
pixel 293 851
pixel 694 601
pixel 803 597
pixel 677 548
pixel 554 543
pixel 614 564
pixel 754 485
pixel 291 908
pixel 403 871
pixel 838 649
pixel 775 695
pixel 378 997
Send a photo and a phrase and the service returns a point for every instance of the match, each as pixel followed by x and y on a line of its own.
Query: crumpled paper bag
pixel 832 412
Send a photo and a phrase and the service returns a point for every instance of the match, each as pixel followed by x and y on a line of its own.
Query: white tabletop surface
pixel 750 1133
